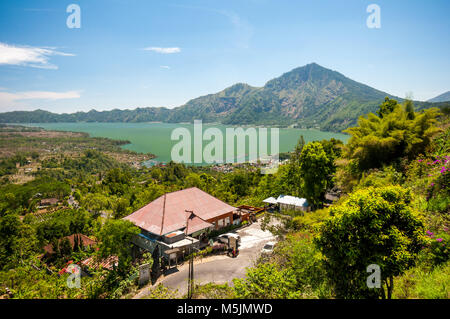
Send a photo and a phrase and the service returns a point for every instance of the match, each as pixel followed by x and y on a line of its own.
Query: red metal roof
pixel 84 241
pixel 106 263
pixel 168 212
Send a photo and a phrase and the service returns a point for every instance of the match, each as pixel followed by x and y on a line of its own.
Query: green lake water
pixel 155 138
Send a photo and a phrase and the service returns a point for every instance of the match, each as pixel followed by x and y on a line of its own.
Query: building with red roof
pixel 74 240
pixel 170 212
pixel 169 219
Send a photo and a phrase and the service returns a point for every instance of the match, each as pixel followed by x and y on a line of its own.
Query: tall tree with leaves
pixel 373 226
pixel 409 108
pixel 315 170
pixel 17 242
pixel 115 237
pixel 388 106
pixel 381 140
pixel 293 172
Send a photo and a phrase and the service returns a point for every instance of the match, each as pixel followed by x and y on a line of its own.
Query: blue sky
pixel 140 53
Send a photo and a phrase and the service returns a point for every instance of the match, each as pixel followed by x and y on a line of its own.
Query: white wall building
pixel 286 202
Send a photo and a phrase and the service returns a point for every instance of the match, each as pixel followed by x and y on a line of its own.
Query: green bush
pixel 267 281
pixel 419 282
pixel 311 220
pixel 299 253
pixel 439 247
pixel 213 291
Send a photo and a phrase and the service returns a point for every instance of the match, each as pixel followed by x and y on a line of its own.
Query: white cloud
pixel 164 67
pixel 244 30
pixel 164 50
pixel 28 56
pixel 9 100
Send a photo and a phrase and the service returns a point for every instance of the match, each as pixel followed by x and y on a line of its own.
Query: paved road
pixel 220 269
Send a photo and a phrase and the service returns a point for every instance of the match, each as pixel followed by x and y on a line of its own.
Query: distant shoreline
pixel 33 124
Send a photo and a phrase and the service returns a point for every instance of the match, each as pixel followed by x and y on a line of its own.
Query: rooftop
pixel 168 212
pixel 292 200
pixel 287 200
pixel 83 240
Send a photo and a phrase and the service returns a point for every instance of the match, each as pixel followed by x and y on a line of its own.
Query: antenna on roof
pixel 164 211
pixel 191 216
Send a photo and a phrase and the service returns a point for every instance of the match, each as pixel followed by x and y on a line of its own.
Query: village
pixel 95 223
pixel 183 228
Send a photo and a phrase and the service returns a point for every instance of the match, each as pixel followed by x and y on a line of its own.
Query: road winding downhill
pixel 219 269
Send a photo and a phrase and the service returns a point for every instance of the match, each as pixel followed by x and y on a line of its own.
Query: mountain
pixel 40 116
pixel 308 96
pixel 444 97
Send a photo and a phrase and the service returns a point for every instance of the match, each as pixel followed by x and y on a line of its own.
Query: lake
pixel 155 138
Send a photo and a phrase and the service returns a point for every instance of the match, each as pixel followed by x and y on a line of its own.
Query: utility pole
pixel 191 277
pixel 191 260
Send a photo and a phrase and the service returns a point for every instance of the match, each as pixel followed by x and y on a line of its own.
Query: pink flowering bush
pixel 439 246
pixel 430 177
pixel 438 196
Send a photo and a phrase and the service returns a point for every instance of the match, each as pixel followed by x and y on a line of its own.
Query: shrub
pixel 374 226
pixel 268 282
pixel 439 247
pixel 311 220
pixel 420 282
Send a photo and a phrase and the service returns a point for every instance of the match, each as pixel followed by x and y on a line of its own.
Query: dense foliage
pixel 393 176
pixel 373 226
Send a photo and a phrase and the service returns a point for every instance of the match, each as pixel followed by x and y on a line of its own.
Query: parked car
pixel 224 238
pixel 268 248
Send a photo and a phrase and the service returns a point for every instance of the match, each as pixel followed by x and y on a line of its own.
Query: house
pixel 178 219
pixel 246 213
pixel 49 201
pixel 80 239
pixel 332 196
pixel 286 202
pixel 107 263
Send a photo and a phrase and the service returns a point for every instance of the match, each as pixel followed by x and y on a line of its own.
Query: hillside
pixel 444 97
pixel 308 96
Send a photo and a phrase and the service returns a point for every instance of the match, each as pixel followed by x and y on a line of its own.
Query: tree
pixel 65 247
pixel 387 107
pixel 293 173
pixel 120 207
pixel 95 202
pixel 299 254
pixel 115 237
pixel 315 170
pixel 193 180
pixel 333 149
pixel 373 226
pixel 378 141
pixel 268 282
pixel 17 241
pixel 409 108
pixel 54 228
pixel 118 181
